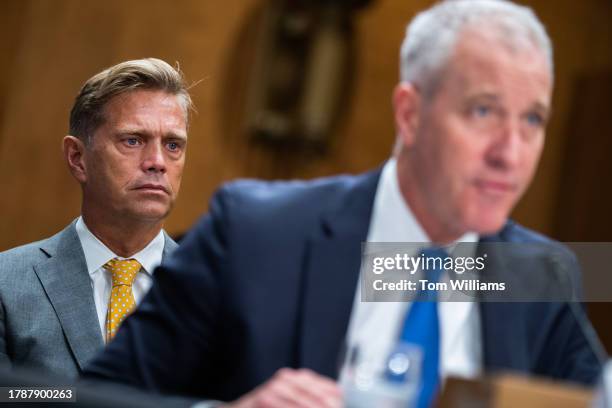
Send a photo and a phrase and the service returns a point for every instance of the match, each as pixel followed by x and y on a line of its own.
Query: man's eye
pixel 481 111
pixel 132 141
pixel 535 119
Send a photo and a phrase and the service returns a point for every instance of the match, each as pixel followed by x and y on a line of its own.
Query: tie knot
pixel 123 271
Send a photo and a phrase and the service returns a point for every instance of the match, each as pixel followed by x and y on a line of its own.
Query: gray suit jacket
pixel 48 319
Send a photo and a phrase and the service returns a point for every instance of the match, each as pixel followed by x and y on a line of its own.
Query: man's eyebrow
pixel 541 106
pixel 173 135
pixel 130 132
pixel 542 109
pixel 144 133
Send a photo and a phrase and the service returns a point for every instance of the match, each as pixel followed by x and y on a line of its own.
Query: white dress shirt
pixel 97 254
pixel 375 326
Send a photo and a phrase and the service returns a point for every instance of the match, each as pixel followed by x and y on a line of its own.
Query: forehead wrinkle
pixel 123 105
pixel 143 123
pixel 484 95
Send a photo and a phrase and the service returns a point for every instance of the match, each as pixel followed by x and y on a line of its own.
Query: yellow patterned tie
pixel 122 301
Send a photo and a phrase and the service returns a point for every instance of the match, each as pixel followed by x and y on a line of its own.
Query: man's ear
pixel 74 152
pixel 406 105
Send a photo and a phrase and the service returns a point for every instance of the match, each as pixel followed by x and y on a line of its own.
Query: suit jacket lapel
pixel 330 277
pixel 67 284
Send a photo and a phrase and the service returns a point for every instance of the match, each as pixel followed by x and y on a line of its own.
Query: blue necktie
pixel 422 328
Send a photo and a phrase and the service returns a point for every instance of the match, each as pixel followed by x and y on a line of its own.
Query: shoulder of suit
pixel 284 205
pixel 266 191
pixel 514 232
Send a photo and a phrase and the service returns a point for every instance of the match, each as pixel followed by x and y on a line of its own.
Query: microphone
pixel 562 275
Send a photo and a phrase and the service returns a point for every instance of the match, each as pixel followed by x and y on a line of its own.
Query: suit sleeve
pixel 168 344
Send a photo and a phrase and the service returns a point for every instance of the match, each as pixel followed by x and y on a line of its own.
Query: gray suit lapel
pixel 67 284
pixel 169 246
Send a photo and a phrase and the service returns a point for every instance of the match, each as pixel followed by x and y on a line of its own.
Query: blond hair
pixel 87 113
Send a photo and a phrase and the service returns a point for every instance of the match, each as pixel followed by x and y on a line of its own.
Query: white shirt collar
pixel 97 254
pixel 392 219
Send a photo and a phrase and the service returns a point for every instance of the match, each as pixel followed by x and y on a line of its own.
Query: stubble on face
pixel 136 158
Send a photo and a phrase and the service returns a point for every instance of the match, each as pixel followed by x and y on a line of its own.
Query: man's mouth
pixel 495 187
pixel 152 187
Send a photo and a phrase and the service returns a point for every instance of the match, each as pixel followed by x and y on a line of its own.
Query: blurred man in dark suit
pixel 258 303
pixel 63 297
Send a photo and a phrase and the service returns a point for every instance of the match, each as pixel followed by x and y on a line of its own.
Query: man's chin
pixel 153 212
pixel 486 227
pixel 487 223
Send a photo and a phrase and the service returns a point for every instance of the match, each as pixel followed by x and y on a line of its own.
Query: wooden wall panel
pixel 60 43
pixel 582 36
pixel 11 26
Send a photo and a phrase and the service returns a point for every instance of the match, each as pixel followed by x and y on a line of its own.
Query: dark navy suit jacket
pixel 267 279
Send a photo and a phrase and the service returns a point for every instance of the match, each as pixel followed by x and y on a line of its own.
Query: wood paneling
pixel 56 44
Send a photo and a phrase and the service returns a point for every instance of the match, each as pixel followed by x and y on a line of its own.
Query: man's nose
pixel 504 152
pixel 154 159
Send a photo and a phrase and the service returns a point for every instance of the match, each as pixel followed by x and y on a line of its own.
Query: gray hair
pixel 433 33
pixel 87 113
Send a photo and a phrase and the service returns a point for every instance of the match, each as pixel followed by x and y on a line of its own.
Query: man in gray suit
pixel 63 297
